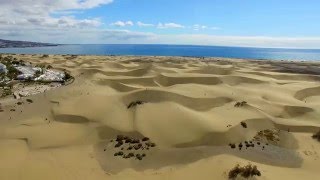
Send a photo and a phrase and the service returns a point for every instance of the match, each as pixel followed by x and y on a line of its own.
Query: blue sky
pixel 233 17
pixel 258 23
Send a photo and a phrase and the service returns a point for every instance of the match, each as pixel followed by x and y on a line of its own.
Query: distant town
pixel 22 44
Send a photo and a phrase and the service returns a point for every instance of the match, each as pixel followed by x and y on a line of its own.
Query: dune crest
pixel 202 115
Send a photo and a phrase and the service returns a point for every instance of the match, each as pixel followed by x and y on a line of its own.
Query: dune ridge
pixel 187 109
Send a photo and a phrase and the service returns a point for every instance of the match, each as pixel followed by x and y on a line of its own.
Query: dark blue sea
pixel 173 50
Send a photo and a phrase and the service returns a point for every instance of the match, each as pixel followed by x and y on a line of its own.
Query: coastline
pixel 201 58
pixel 22 44
pixel 186 106
pixel 173 50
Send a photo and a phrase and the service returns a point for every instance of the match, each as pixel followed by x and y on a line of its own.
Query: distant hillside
pixel 22 44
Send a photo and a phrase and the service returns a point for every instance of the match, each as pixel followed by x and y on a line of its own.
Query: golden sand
pixel 187 111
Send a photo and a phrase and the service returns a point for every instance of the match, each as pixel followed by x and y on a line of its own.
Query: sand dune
pixel 186 106
pixel 307 92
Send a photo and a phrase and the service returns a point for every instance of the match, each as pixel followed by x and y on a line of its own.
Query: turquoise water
pixel 173 50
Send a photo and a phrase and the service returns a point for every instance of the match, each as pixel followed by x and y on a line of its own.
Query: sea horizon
pixel 260 53
pixel 258 47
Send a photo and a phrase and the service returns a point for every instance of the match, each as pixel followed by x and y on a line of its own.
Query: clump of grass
pixel 134 104
pixel 9 61
pixel 38 73
pixel 244 125
pixel 22 63
pixel 42 66
pixel 2 76
pixel 67 76
pixel 6 92
pixel 240 104
pixel 316 136
pixel 128 145
pixel 12 72
pixel 232 145
pixel 246 171
pixel 70 57
pixel 268 135
pixel 45 56
pixel 74 56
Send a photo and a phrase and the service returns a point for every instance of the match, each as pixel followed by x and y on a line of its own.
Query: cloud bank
pixel 122 23
pixel 141 24
pixel 33 13
pixel 169 25
pixel 55 22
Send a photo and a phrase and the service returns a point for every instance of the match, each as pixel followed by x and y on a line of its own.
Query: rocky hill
pixel 22 44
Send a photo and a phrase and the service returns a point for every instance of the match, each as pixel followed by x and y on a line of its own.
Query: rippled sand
pixel 188 112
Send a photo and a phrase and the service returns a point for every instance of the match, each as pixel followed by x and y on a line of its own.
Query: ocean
pixel 173 50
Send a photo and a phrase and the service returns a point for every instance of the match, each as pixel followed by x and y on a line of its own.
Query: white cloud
pixel 45 6
pixel 244 41
pixel 198 27
pixel 122 23
pixel 141 24
pixel 169 25
pixel 54 21
pixel 35 13
pixel 104 36
pixel 75 36
pixel 64 21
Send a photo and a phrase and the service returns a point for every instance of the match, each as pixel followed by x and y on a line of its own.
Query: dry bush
pixel 240 104
pixel 271 135
pixel 244 125
pixel 316 136
pixel 134 104
pixel 246 171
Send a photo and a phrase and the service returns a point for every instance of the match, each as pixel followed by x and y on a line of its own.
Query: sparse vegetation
pixel 139 157
pixel 6 92
pixel 2 76
pixel 10 83
pixel 131 146
pixel 12 71
pixel 69 57
pixel 74 56
pixel 268 135
pixel 232 145
pixel 42 66
pixel 67 76
pixel 240 104
pixel 134 104
pixel 244 125
pixel 246 171
pixel 316 136
pixel 38 73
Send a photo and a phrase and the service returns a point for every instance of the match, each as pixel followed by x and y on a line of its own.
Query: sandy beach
pixel 194 118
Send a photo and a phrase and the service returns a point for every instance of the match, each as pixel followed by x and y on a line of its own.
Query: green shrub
pixel 6 92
